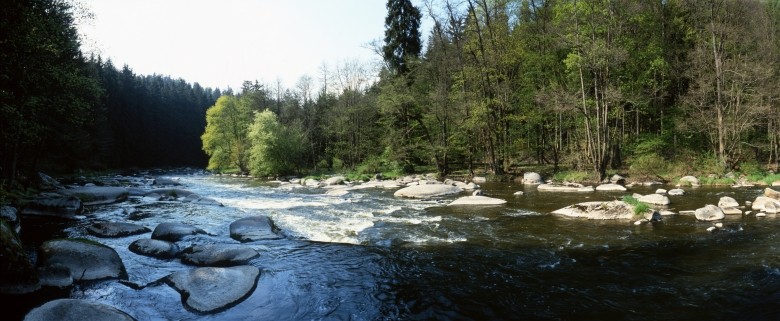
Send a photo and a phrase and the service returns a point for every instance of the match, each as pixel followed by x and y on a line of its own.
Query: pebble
pixel 711 228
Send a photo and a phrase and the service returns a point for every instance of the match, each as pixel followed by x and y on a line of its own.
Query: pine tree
pixel 402 35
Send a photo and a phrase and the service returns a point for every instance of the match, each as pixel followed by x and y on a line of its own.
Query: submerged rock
pixel 477 200
pixel 213 289
pixel 76 310
pixel 87 260
pixel 253 228
pixel 173 231
pixel 154 248
pixel 709 213
pixel 598 210
pixel 116 229
pixel 218 255
pixel 54 205
pixel 427 191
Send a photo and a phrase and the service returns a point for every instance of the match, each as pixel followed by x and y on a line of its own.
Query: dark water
pixel 369 256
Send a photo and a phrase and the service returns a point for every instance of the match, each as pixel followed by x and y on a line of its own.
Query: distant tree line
pixel 597 85
pixel 62 111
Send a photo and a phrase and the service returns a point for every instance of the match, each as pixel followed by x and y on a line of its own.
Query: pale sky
pixel 222 43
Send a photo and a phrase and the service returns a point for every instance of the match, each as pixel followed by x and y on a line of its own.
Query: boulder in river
pixel 49 204
pixel 768 192
pixel 154 248
pixel 335 180
pixel 98 195
pixel 709 213
pixel 166 181
pixel 253 228
pixel 556 188
pixel 10 215
pixel 87 260
pixel 174 231
pixel 218 255
pixel 689 181
pixel 654 199
pixel 726 202
pixel 676 192
pixel 213 289
pixel 598 210
pixel 427 191
pixel 765 204
pixel 116 229
pixel 532 178
pixel 76 310
pixel 611 188
pixel 477 200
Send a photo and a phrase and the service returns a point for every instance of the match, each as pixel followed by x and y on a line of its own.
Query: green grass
pixel 572 176
pixel 639 207
pixel 716 181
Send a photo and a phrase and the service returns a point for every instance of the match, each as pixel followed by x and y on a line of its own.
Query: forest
pixel 652 89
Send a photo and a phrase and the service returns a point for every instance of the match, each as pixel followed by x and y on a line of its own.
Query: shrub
pixel 639 207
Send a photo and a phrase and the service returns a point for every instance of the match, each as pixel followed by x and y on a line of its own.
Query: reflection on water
pixel 369 256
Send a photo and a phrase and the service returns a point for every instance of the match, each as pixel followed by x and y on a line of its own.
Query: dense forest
pixel 648 87
pixel 663 87
pixel 61 111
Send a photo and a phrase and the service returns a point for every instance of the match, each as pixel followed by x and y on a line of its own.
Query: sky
pixel 223 43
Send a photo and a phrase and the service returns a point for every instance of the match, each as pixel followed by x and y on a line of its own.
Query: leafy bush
pixel 648 165
pixel 572 176
pixel 639 207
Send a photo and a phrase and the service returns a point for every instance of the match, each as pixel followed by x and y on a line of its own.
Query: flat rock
pixel 709 213
pixel 253 228
pixel 87 260
pixel 660 191
pixel 54 205
pixel 218 255
pixel 173 231
pixel 477 200
pixel 427 191
pixel 654 199
pixel 731 210
pixel 154 248
pixel 676 192
pixel 611 188
pixel 98 195
pixel 213 289
pixel 556 188
pixel 76 310
pixel 116 229
pixel 598 210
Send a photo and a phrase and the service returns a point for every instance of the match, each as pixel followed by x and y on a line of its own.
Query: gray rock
pixel 478 192
pixel 116 229
pixel 218 255
pixel 46 183
pixel 709 213
pixel 76 310
pixel 617 179
pixel 477 200
pixel 726 202
pixel 654 199
pixel 97 195
pixel 611 188
pixel 765 204
pixel 54 205
pixel 166 181
pixel 253 228
pixel 427 191
pixel 11 217
pixel 207 201
pixel 173 231
pixel 676 192
pixel 660 191
pixel 87 260
pixel 479 179
pixel 731 210
pixel 556 188
pixel 768 192
pixel 335 180
pixel 531 178
pixel 213 289
pixel 689 181
pixel 598 210
pixel 170 192
pixel 518 193
pixel 154 248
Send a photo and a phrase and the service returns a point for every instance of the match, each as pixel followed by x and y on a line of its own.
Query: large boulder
pixel 97 195
pixel 726 202
pixel 116 229
pixel 531 178
pixel 477 200
pixel 76 310
pixel 598 210
pixel 427 191
pixel 154 248
pixel 218 255
pixel 765 204
pixel 611 188
pixel 654 199
pixel 87 260
pixel 709 213
pixel 768 192
pixel 50 204
pixel 676 192
pixel 689 181
pixel 15 266
pixel 253 228
pixel 170 192
pixel 173 231
pixel 46 183
pixel 213 289
pixel 335 180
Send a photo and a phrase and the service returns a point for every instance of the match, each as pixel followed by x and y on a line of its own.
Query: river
pixel 370 256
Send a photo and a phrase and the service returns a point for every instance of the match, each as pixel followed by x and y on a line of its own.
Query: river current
pixel 370 256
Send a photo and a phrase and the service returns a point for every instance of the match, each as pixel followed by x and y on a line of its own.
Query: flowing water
pixel 370 256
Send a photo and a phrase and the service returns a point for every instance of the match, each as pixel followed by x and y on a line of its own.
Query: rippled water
pixel 370 256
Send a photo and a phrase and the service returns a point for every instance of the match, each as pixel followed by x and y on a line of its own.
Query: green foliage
pixel 639 207
pixel 275 149
pixel 648 165
pixel 225 138
pixel 402 35
pixel 572 176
